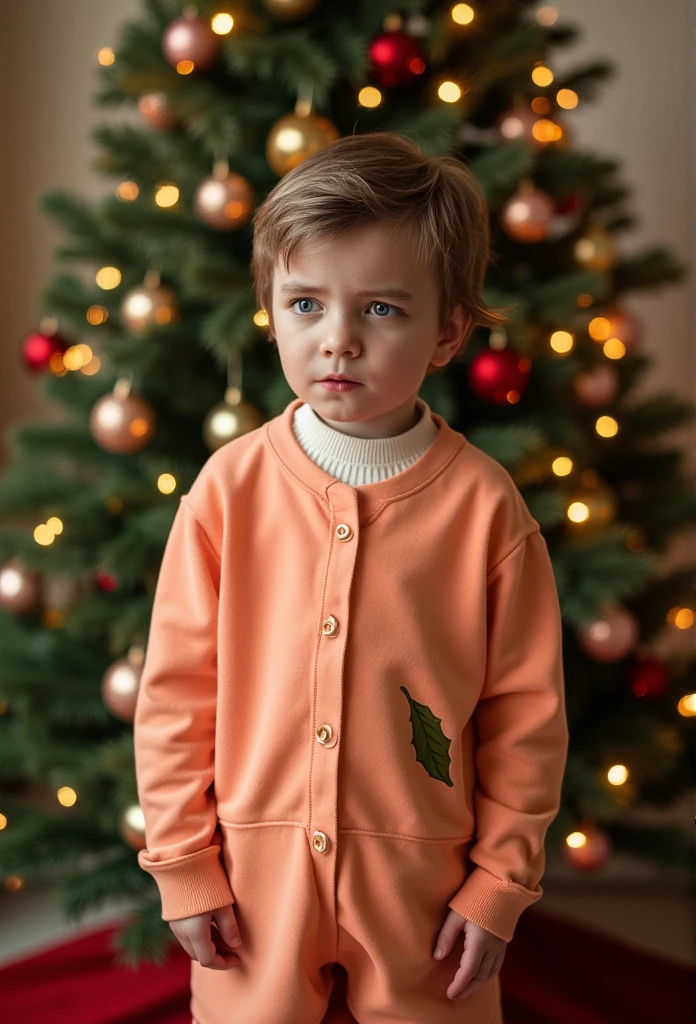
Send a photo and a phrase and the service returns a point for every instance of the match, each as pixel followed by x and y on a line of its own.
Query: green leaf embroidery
pixel 431 744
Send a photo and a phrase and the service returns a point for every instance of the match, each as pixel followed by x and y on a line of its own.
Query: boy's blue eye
pixel 377 302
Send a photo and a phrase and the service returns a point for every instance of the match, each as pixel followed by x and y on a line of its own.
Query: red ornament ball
pixel 499 375
pixel 397 59
pixel 648 678
pixel 105 580
pixel 38 350
pixel 592 853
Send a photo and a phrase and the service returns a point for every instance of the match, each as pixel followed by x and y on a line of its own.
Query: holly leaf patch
pixel 429 740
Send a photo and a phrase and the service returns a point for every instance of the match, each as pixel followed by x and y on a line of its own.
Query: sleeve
pixel 174 726
pixel 522 740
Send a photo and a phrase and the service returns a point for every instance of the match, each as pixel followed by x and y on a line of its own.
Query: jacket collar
pixel 279 437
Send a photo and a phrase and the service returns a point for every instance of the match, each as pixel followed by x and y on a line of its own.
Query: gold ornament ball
pixel 120 684
pixel 20 588
pixel 292 139
pixel 611 637
pixel 122 424
pixel 526 216
pixel 144 307
pixel 132 827
pixel 155 111
pixel 593 854
pixel 596 249
pixel 225 202
pixel 598 386
pixel 290 10
pixel 229 420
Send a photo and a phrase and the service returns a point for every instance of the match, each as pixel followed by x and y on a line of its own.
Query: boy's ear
pixel 454 333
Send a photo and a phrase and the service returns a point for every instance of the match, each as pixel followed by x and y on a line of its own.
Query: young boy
pixel 350 734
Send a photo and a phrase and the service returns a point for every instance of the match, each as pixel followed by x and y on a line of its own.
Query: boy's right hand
pixel 194 934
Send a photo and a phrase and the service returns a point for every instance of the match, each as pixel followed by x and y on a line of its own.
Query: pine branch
pixel 146 937
pixel 498 169
pixel 648 270
pixel 594 569
pixel 556 298
pixel 506 444
pixel 586 79
pixel 120 878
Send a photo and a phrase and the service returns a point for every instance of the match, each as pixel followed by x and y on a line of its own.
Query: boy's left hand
pixel 482 957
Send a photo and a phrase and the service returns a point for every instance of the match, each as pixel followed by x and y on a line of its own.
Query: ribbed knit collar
pixel 362 460
pixel 280 438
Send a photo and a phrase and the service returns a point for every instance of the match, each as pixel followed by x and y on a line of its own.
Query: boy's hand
pixel 194 934
pixel 482 957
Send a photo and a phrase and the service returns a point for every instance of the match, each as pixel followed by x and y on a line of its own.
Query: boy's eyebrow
pixel 300 286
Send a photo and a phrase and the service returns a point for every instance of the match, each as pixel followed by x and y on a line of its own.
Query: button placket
pixel 328 691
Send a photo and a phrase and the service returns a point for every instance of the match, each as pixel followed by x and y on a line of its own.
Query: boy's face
pixel 342 319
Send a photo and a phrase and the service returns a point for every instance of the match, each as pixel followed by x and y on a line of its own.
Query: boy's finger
pixel 227 925
pixel 447 937
pixel 468 969
pixel 207 955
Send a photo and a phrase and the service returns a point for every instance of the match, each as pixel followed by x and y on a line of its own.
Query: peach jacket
pixel 382 660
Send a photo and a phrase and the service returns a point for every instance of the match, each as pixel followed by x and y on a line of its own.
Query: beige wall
pixel 644 118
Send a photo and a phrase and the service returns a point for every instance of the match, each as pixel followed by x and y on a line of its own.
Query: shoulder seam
pixel 534 529
pixel 184 500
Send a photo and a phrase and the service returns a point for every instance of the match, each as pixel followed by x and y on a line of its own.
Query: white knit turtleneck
pixel 362 460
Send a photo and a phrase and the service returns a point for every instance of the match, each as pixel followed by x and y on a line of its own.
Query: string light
pixel 462 14
pixel 542 76
pixel 66 796
pixel 561 341
pixel 681 618
pixel 106 56
pixel 687 705
pixel 614 348
pixel 96 315
pixel 617 774
pixel 567 98
pixel 167 195
pixel 127 191
pixel 108 278
pixel 449 92
pixel 576 840
pixel 369 97
pixel 562 466
pixel 606 426
pixel 222 24
pixel 166 483
pixel 578 512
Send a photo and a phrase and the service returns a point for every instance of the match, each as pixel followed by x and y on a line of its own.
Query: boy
pixel 350 734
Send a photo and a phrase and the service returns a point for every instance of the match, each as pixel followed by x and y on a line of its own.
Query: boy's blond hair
pixel 381 176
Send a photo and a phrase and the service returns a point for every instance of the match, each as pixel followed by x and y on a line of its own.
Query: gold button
pixel 325 735
pixel 343 531
pixel 329 626
pixel 320 842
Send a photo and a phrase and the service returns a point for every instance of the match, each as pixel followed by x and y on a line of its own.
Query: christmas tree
pixel 154 346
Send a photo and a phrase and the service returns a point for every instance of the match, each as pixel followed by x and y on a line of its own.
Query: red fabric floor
pixel 554 972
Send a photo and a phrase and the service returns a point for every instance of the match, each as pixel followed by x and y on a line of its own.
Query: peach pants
pixel 375 904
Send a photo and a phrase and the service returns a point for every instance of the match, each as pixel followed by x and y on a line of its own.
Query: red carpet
pixel 554 973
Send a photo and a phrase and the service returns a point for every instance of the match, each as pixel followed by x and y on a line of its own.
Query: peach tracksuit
pixel 351 718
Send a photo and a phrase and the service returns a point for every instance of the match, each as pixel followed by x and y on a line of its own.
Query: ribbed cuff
pixel 189 885
pixel 493 903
